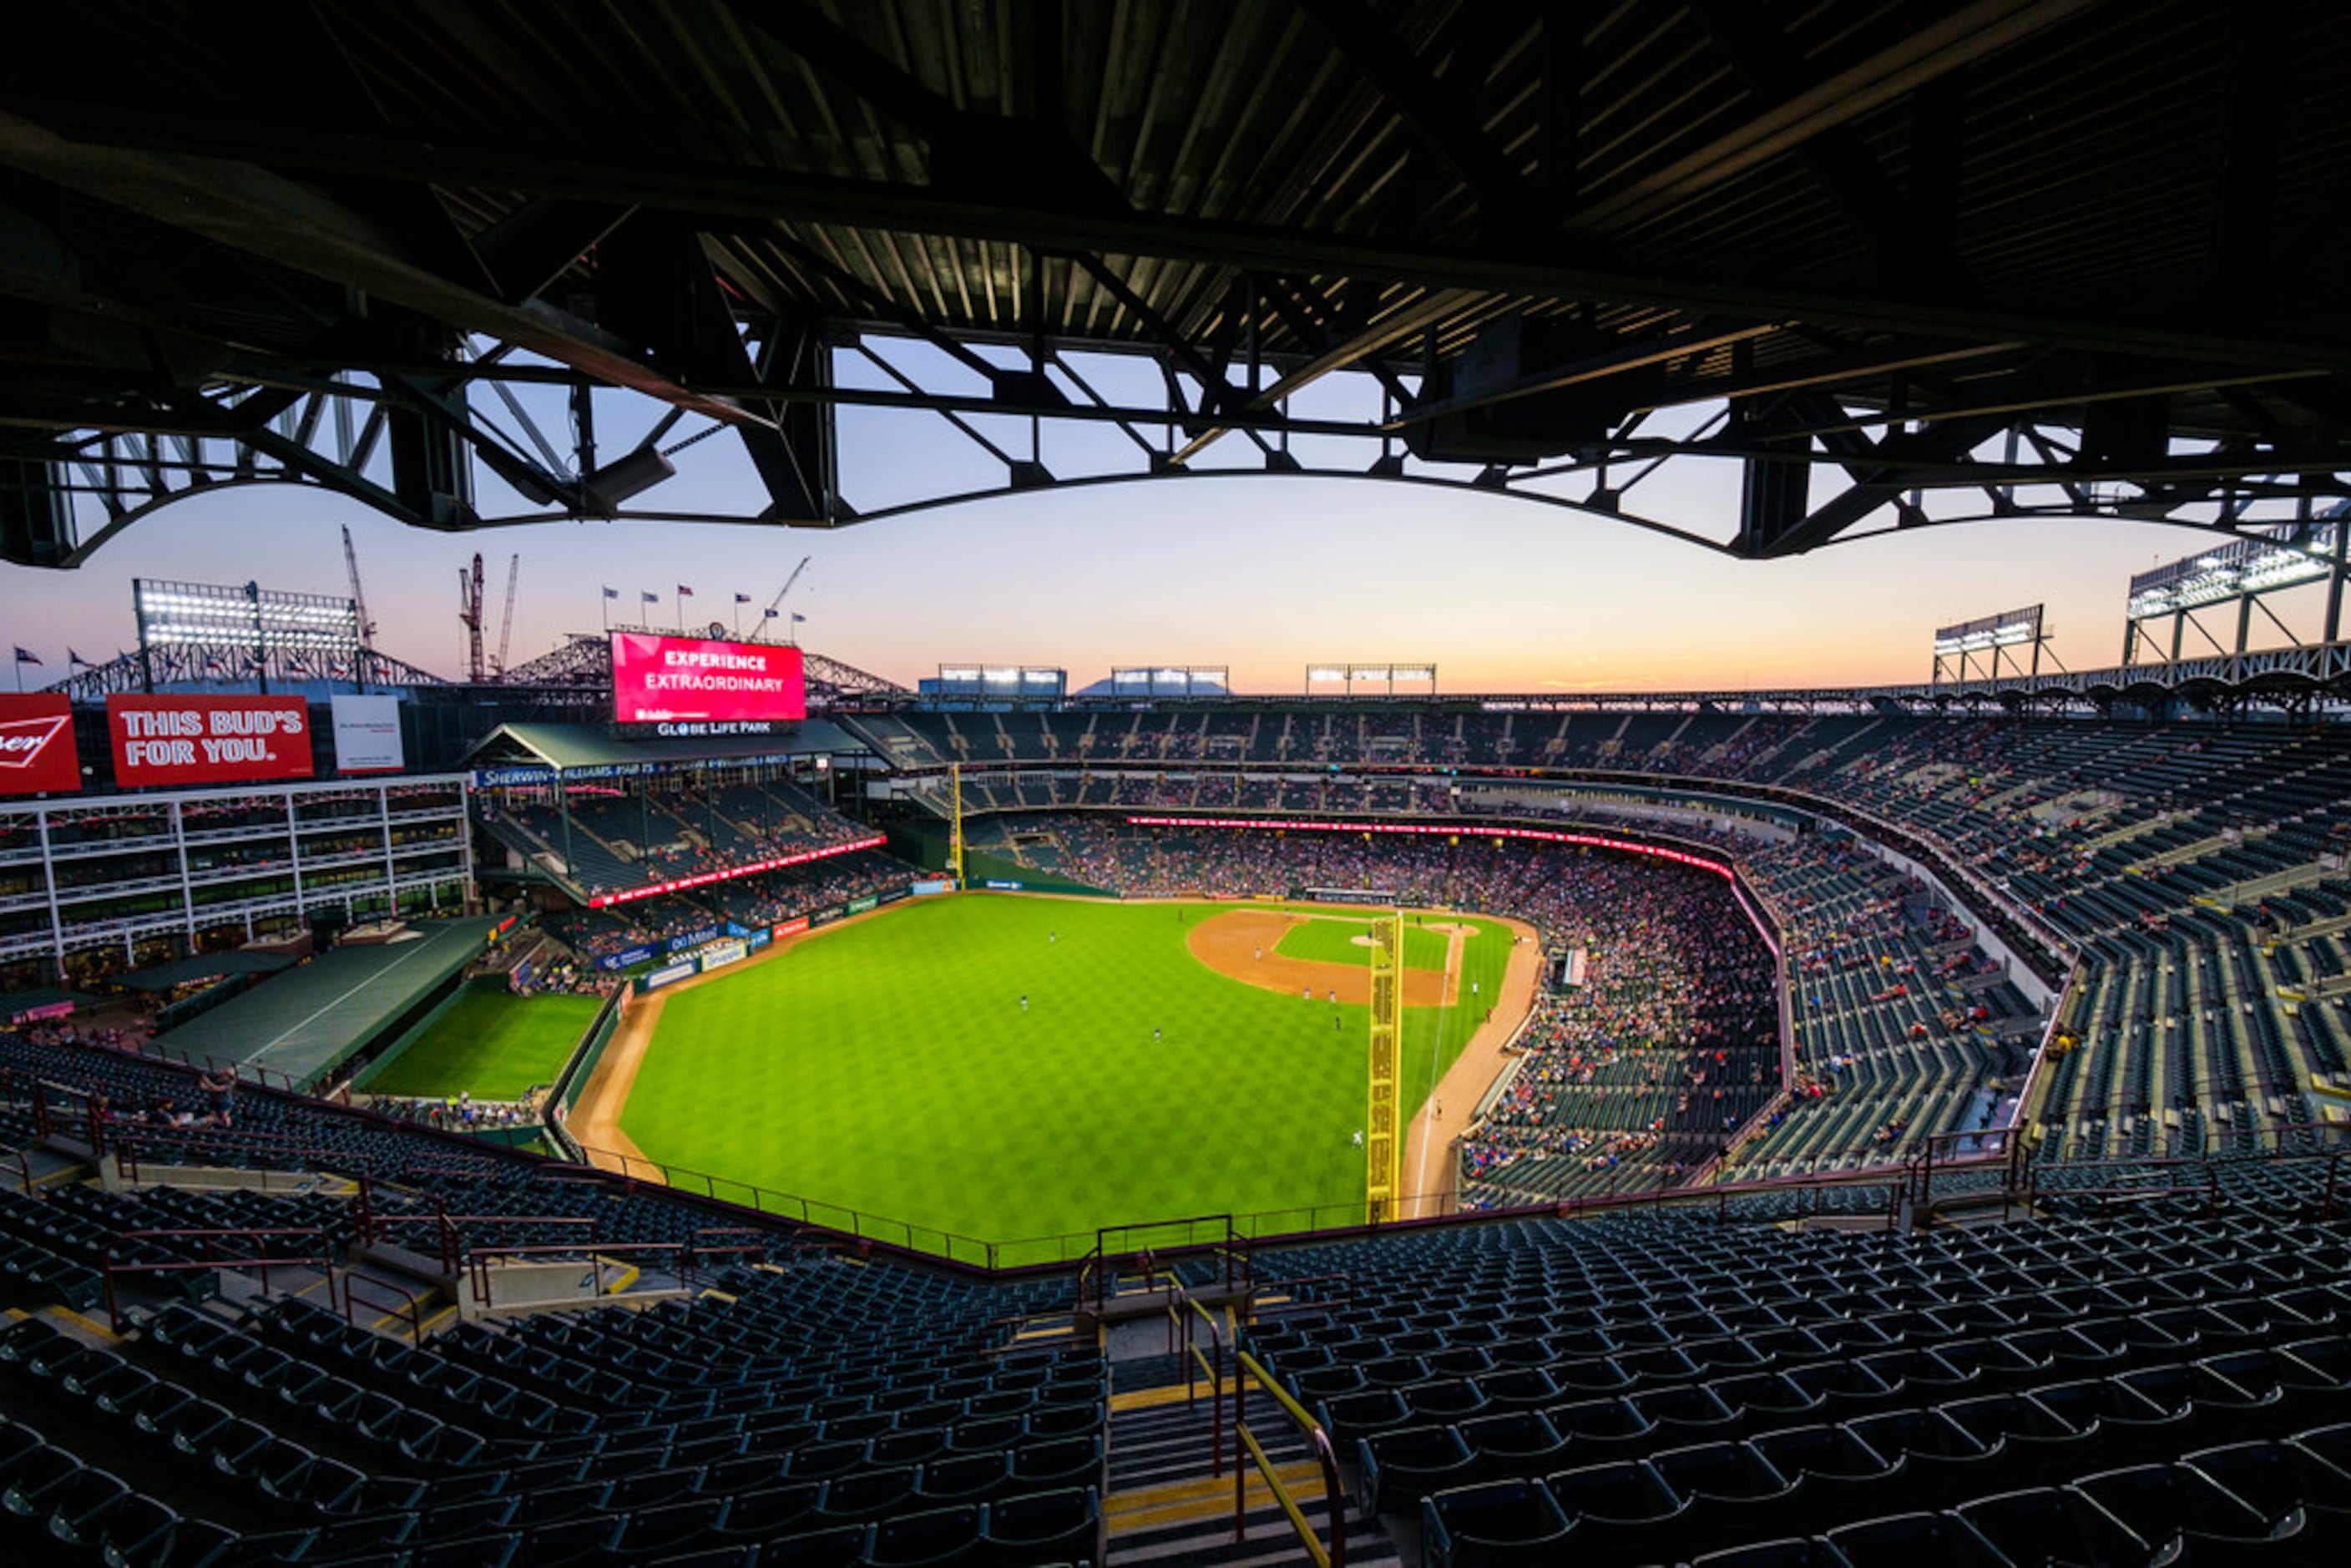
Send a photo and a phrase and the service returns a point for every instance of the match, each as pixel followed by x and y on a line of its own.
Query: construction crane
pixel 358 595
pixel 777 602
pixel 506 621
pixel 469 613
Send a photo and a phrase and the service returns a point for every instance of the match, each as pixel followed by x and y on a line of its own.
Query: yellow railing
pixel 1330 1555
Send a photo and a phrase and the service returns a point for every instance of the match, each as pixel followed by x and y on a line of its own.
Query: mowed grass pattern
pixel 888 1067
pixel 491 1045
pixel 1324 940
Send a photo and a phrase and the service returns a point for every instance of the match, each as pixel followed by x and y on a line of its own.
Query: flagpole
pixel 738 618
pixel 678 600
pixel 604 606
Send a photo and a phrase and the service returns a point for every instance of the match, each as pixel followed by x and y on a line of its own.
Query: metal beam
pixel 1933 51
pixel 264 214
pixel 1521 269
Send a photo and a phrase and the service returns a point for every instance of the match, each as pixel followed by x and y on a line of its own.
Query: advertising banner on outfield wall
pixel 826 916
pixel 169 740
pixel 892 895
pixel 36 743
pixel 924 889
pixel 667 975
pixel 791 927
pixel 626 958
pixel 690 939
pixel 758 939
pixel 718 954
pixel 863 906
pixel 367 735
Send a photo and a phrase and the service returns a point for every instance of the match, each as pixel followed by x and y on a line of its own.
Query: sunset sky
pixel 1261 574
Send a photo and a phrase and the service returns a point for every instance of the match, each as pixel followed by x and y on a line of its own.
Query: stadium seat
pixel 1044 1527
pixel 867 1494
pixel 1802 1551
pixel 2047 1525
pixel 841 1546
pixel 1400 1467
pixel 1915 1541
pixel 939 1535
pixel 1620 1511
pixel 1059 1462
pixel 1494 1522
pixel 1517 1443
pixel 2161 1504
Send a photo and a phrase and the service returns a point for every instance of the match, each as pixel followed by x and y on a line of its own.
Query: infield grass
pixel 489 1044
pixel 1328 940
pixel 887 1066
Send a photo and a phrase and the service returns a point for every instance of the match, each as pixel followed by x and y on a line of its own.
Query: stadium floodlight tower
pixel 1977 650
pixel 1381 679
pixel 209 631
pixel 1383 1127
pixel 2245 571
pixel 1171 681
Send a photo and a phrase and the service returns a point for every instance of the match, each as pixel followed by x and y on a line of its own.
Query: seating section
pixel 618 840
pixel 2191 876
pixel 2142 1370
pixel 2111 1386
pixel 794 1404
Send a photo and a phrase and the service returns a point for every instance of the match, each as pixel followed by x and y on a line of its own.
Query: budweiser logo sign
pixel 21 739
pixel 36 745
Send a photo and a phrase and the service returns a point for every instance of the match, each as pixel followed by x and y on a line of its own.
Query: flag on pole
pixel 73 659
pixel 27 656
pixel 769 614
pixel 684 591
pixel 742 598
pixel 611 593
pixel 650 598
pixel 798 617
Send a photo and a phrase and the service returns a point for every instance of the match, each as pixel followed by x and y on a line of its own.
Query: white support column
pixel 49 887
pixel 390 871
pixel 187 883
pixel 294 848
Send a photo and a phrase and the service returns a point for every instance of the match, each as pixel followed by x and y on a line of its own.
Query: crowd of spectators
pixel 761 898
pixel 620 840
pixel 1671 1041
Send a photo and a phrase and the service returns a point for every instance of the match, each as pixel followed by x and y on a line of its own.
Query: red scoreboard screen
pixel 696 680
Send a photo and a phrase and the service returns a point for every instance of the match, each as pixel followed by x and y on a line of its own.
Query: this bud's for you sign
pixel 207 740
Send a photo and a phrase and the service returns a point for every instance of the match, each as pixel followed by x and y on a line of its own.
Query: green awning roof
pixel 575 747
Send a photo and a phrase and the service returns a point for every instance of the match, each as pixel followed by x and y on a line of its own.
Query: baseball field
pixel 1006 1067
pixel 489 1044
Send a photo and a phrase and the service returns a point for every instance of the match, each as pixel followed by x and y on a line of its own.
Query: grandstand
pixel 1926 1146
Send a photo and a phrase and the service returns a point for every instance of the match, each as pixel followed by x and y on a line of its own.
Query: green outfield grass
pixel 1328 940
pixel 491 1045
pixel 888 1067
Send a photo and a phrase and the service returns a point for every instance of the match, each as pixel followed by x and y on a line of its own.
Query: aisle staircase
pixel 1170 1497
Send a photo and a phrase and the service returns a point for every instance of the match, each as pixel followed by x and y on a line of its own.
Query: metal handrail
pixel 1334 1555
pixel 115 1267
pixel 409 1299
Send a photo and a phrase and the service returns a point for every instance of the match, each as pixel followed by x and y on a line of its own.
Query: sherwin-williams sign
pixel 164 740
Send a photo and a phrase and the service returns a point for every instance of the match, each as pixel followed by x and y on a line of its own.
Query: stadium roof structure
pixel 585 659
pixel 581 748
pixel 1907 263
